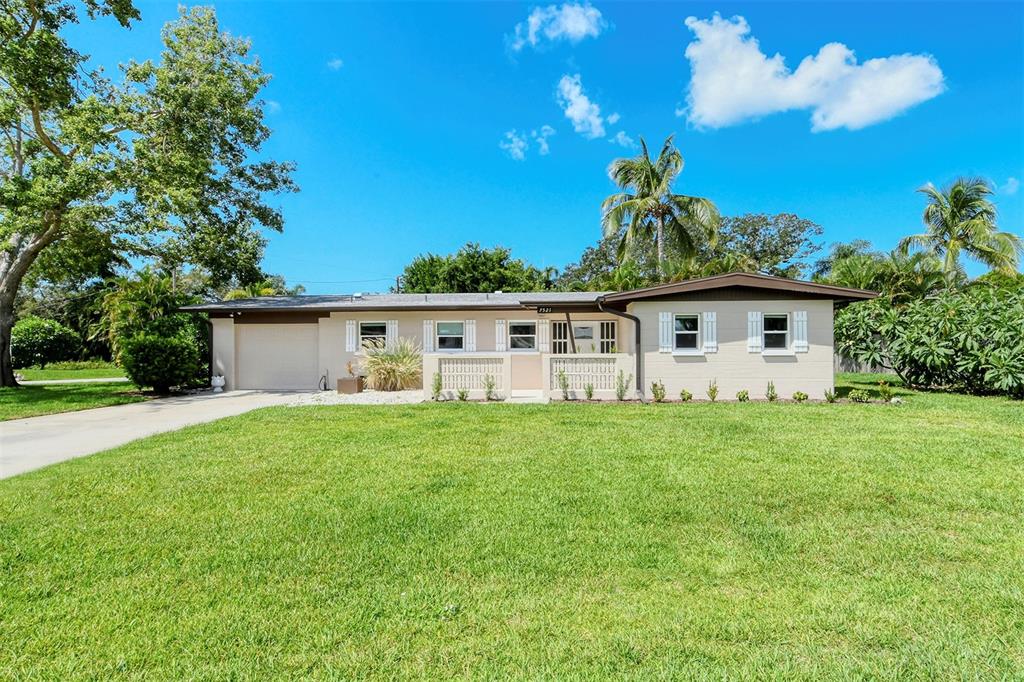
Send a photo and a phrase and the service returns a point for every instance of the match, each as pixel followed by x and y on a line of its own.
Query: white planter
pixel 217 381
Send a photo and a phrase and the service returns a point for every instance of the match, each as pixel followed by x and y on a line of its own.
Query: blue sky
pixel 405 120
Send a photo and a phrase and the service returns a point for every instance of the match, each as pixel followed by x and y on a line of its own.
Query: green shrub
pixel 685 396
pixel 884 391
pixel 771 394
pixel 563 384
pixel 859 395
pixel 160 362
pixel 622 385
pixel 968 340
pixel 800 396
pixel 489 384
pixel 713 390
pixel 743 396
pixel 35 341
pixel 435 386
pixel 463 394
pixel 588 391
pixel 393 368
pixel 658 391
pixel 830 395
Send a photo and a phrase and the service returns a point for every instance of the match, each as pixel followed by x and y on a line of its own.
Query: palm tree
pixel 961 219
pixel 647 208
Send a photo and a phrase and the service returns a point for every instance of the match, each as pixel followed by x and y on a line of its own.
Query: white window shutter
pixel 350 336
pixel 800 331
pixel 470 335
pixel 755 326
pixel 710 332
pixel 500 338
pixel 544 336
pixel 428 336
pixel 664 332
pixel 392 334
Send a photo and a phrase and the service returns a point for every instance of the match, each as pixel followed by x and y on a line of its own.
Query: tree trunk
pixel 661 244
pixel 6 324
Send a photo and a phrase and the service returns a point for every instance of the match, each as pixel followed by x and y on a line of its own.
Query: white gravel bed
pixel 364 398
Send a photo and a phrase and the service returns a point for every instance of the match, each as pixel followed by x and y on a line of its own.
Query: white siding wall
pixel 733 366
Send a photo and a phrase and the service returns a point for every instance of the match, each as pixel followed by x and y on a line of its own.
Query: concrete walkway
pixel 35 442
pixel 50 382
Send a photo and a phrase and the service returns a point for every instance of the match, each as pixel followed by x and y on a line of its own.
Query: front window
pixel 451 335
pixel 372 334
pixel 522 335
pixel 687 330
pixel 776 332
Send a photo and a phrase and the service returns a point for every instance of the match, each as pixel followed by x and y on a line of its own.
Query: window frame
pixel 438 335
pixel 788 334
pixel 698 348
pixel 535 335
pixel 360 347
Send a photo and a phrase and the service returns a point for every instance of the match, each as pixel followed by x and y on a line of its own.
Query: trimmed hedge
pixel 159 361
pixel 36 341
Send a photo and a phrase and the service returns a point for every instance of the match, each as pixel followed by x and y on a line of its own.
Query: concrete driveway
pixel 35 442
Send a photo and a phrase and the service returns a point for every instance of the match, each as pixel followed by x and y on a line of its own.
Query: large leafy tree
pixel 648 209
pixel 961 220
pixel 161 165
pixel 776 245
pixel 473 269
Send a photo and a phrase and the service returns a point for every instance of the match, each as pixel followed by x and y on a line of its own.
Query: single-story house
pixel 740 330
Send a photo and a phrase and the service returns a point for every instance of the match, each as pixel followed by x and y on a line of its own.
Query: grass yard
pixel 32 401
pixel 787 541
pixel 35 374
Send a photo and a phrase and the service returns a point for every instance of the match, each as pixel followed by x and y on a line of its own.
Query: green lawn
pixel 562 541
pixel 31 401
pixel 34 374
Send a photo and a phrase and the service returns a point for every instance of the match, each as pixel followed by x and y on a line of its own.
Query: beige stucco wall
pixel 224 349
pixel 526 365
pixel 732 366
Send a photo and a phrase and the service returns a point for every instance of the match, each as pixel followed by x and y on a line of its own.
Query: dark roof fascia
pixel 750 280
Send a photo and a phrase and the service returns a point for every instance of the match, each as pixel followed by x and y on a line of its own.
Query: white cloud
pixel 584 114
pixel 514 145
pixel 733 81
pixel 1011 187
pixel 613 118
pixel 541 138
pixel 622 139
pixel 335 63
pixel 568 21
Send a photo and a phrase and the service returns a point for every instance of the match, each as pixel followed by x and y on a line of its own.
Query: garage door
pixel 281 356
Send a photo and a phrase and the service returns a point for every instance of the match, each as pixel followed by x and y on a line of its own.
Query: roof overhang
pixel 788 287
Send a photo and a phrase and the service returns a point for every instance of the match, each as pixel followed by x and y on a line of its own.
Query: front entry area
pixel 277 356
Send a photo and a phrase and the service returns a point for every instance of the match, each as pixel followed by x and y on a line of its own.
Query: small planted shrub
pixel 800 396
pixel 35 341
pixel 622 385
pixel 859 395
pixel 588 391
pixel 830 395
pixel 435 386
pixel 563 384
pixel 393 368
pixel 743 396
pixel 160 362
pixel 885 391
pixel 685 396
pixel 489 384
pixel 658 391
pixel 771 394
pixel 713 390
pixel 463 395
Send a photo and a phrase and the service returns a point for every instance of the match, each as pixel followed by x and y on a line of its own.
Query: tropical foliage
pixel 35 341
pixel 647 208
pixel 270 285
pixel 961 220
pixel 898 276
pixel 966 340
pixel 160 360
pixel 472 269
pixel 393 368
